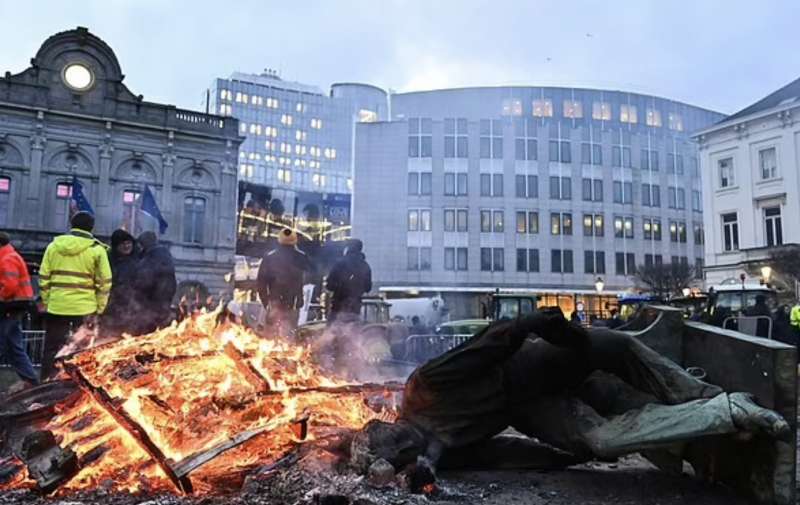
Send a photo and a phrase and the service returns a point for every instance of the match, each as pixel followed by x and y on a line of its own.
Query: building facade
pixel 295 164
pixel 751 185
pixel 528 188
pixel 70 116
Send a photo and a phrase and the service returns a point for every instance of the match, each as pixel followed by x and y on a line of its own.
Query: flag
pixel 78 201
pixel 149 207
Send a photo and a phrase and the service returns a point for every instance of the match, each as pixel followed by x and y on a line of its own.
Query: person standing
pixel 122 311
pixel 74 281
pixel 16 297
pixel 154 284
pixel 794 320
pixel 280 282
pixel 349 279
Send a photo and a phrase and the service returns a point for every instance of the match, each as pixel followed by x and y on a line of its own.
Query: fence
pixel 421 348
pixel 34 345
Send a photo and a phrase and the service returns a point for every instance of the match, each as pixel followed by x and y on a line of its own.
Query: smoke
pixel 358 352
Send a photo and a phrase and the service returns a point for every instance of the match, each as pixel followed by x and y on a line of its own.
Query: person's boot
pixel 749 416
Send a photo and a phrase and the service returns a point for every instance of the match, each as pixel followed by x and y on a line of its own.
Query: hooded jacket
pixel 280 276
pixel 121 309
pixel 15 282
pixel 75 276
pixel 349 279
pixel 154 281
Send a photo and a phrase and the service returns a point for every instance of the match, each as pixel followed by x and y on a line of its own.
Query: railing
pixel 34 346
pixel 421 348
pixel 748 324
pixel 199 118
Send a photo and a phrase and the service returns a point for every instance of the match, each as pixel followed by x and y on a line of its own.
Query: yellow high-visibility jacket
pixel 75 276
pixel 794 316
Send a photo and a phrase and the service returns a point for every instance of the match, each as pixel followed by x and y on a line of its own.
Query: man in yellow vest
pixel 794 320
pixel 74 282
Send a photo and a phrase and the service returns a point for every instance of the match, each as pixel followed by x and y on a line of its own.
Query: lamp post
pixel 599 285
pixel 687 292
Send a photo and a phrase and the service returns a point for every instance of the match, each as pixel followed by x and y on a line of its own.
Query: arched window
pixel 63 199
pixel 194 213
pixel 5 197
pixel 130 203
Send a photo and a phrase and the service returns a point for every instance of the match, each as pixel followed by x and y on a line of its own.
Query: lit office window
pixel 573 109
pixel 367 116
pixel 543 108
pixel 242 127
pixel 675 122
pixel 601 111
pixel 316 123
pixel 300 107
pixel 628 114
pixel 512 107
pixel 653 117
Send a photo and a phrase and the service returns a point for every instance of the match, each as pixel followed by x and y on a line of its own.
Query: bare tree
pixel 786 262
pixel 665 280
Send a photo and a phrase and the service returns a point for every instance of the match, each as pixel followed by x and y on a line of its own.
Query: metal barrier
pixel 748 324
pixel 421 348
pixel 34 345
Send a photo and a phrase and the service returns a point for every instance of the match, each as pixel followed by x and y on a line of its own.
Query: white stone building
pixel 751 186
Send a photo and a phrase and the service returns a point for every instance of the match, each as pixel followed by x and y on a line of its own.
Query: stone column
pixel 38 142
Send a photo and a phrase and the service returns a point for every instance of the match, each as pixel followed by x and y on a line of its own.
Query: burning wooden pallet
pixel 191 408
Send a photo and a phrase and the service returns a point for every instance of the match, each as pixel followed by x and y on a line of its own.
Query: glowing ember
pixel 195 400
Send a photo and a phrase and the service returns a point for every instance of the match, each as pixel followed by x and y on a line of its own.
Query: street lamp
pixel 687 292
pixel 766 273
pixel 599 285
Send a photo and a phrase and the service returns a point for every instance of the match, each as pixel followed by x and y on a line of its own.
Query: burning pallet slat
pixel 183 484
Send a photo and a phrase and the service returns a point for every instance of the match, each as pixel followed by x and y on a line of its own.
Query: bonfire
pixel 191 408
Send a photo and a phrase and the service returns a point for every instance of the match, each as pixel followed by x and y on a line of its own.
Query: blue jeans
pixel 12 348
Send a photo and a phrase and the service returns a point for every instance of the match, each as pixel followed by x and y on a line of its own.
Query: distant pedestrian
pixel 417 328
pixel 154 284
pixel 349 280
pixel 782 329
pixel 16 298
pixel 74 281
pixel 122 312
pixel 760 310
pixel 614 321
pixel 280 282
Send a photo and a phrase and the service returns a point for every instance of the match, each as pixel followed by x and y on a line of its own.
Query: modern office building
pixel 295 164
pixel 70 116
pixel 752 186
pixel 536 189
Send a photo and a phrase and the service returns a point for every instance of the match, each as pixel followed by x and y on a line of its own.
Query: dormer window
pixel 78 77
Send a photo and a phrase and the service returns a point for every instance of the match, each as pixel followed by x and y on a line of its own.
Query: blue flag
pixel 150 208
pixel 79 201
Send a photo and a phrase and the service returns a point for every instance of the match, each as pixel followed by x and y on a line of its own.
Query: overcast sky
pixel 719 54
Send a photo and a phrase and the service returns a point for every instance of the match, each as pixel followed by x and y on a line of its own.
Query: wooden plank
pixel 245 367
pixel 183 468
pixel 138 433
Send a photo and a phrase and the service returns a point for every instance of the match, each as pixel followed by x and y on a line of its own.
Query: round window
pixel 78 77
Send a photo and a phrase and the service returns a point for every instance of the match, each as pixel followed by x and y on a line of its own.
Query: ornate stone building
pixel 70 115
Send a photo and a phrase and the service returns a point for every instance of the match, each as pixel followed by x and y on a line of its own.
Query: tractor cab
pixel 505 306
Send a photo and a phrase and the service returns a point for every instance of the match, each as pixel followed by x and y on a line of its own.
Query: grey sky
pixel 714 53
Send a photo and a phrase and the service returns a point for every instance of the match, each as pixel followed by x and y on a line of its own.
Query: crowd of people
pixel 125 288
pixel 285 269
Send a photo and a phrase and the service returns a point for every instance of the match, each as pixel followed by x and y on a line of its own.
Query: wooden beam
pixel 138 433
pixel 184 467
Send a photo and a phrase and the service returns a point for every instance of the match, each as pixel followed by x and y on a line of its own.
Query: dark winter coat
pixel 281 276
pixel 349 279
pixel 155 286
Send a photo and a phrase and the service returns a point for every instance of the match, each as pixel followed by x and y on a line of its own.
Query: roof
pixel 787 94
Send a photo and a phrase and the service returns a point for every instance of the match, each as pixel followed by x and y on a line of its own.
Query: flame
pixel 191 387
